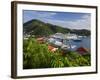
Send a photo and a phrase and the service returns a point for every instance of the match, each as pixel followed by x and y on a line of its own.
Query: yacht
pixel 73 37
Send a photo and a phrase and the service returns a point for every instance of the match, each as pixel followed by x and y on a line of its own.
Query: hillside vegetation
pixel 38 27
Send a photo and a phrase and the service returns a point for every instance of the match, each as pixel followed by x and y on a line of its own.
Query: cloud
pixel 28 15
pixel 80 22
pixel 83 23
pixel 44 14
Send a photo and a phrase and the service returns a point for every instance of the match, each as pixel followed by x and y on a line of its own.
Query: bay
pixel 85 43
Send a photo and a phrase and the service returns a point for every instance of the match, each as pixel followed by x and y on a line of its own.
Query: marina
pixel 69 41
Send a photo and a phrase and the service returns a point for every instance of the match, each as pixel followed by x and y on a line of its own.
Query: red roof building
pixel 81 50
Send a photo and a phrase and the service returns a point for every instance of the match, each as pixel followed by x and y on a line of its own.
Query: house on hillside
pixel 41 39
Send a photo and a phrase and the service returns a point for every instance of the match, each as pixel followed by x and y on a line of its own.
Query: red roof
pixel 81 50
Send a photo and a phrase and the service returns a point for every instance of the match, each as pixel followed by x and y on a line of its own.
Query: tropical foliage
pixel 38 56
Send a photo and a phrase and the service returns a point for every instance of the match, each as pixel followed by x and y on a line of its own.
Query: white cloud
pixel 83 23
pixel 28 15
pixel 44 15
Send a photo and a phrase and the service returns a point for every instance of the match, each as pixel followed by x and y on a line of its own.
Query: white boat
pixel 58 43
pixel 71 36
pixel 68 47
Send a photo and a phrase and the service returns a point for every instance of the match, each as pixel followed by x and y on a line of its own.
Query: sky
pixel 70 20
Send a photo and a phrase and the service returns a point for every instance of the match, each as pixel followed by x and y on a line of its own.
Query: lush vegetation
pixel 37 27
pixel 38 56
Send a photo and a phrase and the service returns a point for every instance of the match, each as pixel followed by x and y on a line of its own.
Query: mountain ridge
pixel 38 27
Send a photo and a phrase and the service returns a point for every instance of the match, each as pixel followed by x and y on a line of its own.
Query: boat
pixel 68 47
pixel 58 43
pixel 74 37
pixel 71 36
pixel 77 40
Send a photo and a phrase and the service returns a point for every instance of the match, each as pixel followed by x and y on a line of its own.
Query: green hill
pixel 38 27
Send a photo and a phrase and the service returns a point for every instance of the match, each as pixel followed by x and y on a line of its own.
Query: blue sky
pixel 70 20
